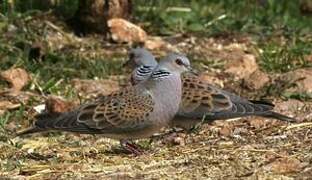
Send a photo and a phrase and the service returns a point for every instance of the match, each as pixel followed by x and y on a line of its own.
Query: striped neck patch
pixel 144 70
pixel 161 73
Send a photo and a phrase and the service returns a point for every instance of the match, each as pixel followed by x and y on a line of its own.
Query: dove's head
pixel 140 57
pixel 175 63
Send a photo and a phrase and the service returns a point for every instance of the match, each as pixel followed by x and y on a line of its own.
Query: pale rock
pixel 303 80
pixel 256 80
pixel 17 77
pixel 241 66
pixel 125 31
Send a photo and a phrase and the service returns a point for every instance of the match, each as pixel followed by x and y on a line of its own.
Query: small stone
pixel 40 108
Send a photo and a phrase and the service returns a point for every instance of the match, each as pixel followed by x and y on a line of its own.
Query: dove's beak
pixel 193 71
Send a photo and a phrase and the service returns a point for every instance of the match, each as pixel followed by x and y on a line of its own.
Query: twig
pixel 260 151
pixel 301 125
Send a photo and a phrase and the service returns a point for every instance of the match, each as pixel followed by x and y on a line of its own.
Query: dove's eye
pixel 179 62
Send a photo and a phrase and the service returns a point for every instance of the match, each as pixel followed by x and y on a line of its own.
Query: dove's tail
pixel 58 122
pixel 266 110
pixel 38 125
pixel 275 115
pixel 250 108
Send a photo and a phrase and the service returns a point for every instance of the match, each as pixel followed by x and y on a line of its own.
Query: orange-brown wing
pixel 122 109
pixel 200 98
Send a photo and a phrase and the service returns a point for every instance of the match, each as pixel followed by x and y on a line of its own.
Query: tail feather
pixel 61 122
pixel 44 120
pixel 262 102
pixel 37 127
pixel 279 116
pixel 252 108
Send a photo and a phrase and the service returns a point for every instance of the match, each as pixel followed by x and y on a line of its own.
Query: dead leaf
pixel 18 78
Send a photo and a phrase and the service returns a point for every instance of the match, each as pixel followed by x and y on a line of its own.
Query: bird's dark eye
pixel 179 62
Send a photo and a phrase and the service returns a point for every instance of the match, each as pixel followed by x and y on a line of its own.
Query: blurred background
pixel 56 54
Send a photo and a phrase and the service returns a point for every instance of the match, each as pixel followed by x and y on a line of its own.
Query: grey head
pixel 175 63
pixel 141 57
pixel 143 64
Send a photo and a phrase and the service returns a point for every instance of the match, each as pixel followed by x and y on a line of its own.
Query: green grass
pixel 58 69
pixel 215 17
pixel 201 16
pixel 52 73
pixel 11 116
pixel 3 120
pixel 304 96
pixel 266 22
pixel 277 57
